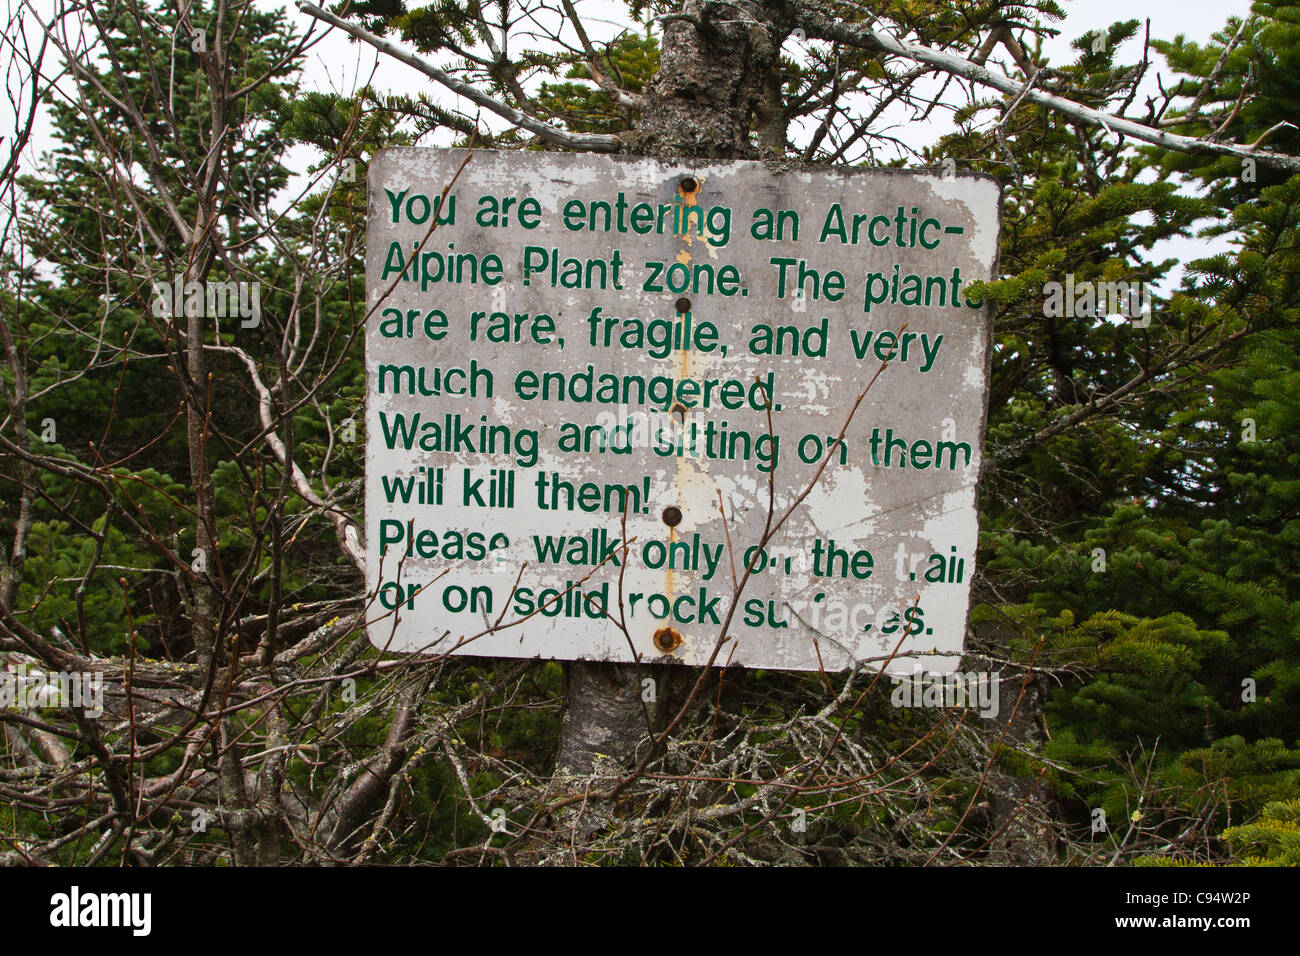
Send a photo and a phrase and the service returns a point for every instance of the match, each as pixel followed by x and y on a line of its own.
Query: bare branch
pixel 828 28
pixel 592 142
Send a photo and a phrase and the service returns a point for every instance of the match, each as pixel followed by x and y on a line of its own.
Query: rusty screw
pixel 683 304
pixel 667 639
pixel 689 184
pixel 672 516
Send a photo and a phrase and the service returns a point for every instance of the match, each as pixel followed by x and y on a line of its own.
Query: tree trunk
pixel 11 570
pixel 1020 811
pixel 716 61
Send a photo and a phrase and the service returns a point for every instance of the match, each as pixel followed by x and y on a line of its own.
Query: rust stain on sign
pixel 668 639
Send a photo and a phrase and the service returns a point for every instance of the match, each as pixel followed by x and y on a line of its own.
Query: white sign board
pixel 588 377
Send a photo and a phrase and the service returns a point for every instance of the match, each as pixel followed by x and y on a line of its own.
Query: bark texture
pixel 1020 810
pixel 717 65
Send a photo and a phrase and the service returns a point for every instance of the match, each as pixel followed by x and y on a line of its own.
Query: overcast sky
pixel 339 64
pixel 336 63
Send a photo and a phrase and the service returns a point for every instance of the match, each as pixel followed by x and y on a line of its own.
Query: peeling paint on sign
pixel 583 335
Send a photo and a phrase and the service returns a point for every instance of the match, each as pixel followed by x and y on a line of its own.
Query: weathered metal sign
pixel 590 381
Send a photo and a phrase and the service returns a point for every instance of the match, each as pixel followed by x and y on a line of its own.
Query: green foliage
pixel 1272 839
pixel 61 555
pixel 1255 90
pixel 630 60
pixel 1153 548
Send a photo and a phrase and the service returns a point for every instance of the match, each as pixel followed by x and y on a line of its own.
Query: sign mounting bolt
pixel 672 516
pixel 667 639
